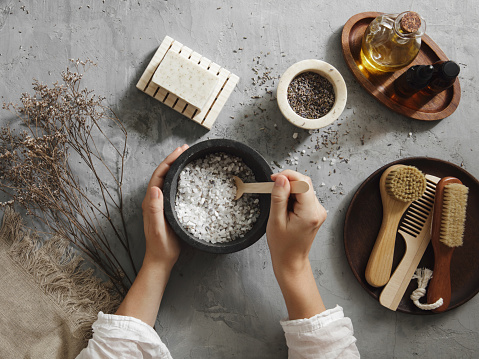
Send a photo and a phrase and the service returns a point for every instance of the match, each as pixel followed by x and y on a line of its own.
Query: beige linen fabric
pixel 47 303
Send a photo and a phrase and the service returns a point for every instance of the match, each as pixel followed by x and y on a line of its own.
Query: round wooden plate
pixel 420 106
pixel 363 220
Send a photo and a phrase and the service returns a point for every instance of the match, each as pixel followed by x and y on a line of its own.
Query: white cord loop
pixel 423 275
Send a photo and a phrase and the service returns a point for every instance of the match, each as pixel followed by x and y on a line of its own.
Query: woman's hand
pixel 162 245
pixel 162 250
pixel 293 223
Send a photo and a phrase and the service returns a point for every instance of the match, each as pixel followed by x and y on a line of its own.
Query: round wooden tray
pixel 363 220
pixel 420 106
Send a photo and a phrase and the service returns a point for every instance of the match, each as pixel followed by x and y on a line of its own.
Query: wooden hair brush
pixel 399 185
pixel 446 234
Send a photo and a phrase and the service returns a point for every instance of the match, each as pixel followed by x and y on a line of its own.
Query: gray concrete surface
pixel 230 306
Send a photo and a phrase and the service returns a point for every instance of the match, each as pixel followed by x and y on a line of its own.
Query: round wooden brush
pixel 446 234
pixel 399 185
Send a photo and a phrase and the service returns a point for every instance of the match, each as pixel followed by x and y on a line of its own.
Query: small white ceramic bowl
pixel 327 71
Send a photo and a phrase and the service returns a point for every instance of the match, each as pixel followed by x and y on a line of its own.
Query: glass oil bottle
pixel 392 41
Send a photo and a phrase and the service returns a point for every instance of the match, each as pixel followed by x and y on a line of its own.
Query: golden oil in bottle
pixel 392 42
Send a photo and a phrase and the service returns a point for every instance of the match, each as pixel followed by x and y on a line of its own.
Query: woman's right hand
pixel 293 223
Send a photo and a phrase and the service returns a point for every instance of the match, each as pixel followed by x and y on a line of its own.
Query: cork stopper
pixel 410 22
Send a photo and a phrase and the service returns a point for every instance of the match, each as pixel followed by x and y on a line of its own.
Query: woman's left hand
pixel 162 245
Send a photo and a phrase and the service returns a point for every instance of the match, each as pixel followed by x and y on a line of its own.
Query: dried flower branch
pixel 66 123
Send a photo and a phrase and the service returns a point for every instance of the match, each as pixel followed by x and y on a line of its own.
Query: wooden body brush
pixel 399 185
pixel 446 234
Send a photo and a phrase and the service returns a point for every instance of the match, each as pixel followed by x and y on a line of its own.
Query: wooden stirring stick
pixel 266 187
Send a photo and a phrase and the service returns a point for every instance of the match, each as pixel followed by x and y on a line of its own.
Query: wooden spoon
pixel 266 187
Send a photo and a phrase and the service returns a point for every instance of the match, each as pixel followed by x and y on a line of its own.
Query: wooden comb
pixel 415 228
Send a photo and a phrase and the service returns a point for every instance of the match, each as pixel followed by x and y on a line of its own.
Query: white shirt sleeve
pixel 326 335
pixel 116 336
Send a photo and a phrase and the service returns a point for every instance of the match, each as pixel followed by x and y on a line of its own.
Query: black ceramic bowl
pixel 252 159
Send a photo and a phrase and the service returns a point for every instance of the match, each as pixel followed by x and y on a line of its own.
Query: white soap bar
pixel 185 79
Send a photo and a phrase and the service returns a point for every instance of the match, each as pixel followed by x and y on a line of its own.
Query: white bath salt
pixel 205 204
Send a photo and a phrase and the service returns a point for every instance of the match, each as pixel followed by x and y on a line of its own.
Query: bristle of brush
pixel 406 183
pixel 453 214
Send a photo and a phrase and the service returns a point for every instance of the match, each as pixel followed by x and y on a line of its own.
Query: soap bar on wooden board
pixel 166 82
pixel 186 79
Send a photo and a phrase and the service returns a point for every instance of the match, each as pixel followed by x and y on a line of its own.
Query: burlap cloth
pixel 47 302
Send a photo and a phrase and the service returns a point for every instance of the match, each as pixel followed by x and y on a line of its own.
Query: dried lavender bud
pixel 311 95
pixel 63 123
pixel 205 204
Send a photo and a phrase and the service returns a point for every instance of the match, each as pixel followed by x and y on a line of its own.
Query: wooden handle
pixel 440 284
pixel 378 269
pixel 394 290
pixel 267 187
pixel 299 186
pixel 396 287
